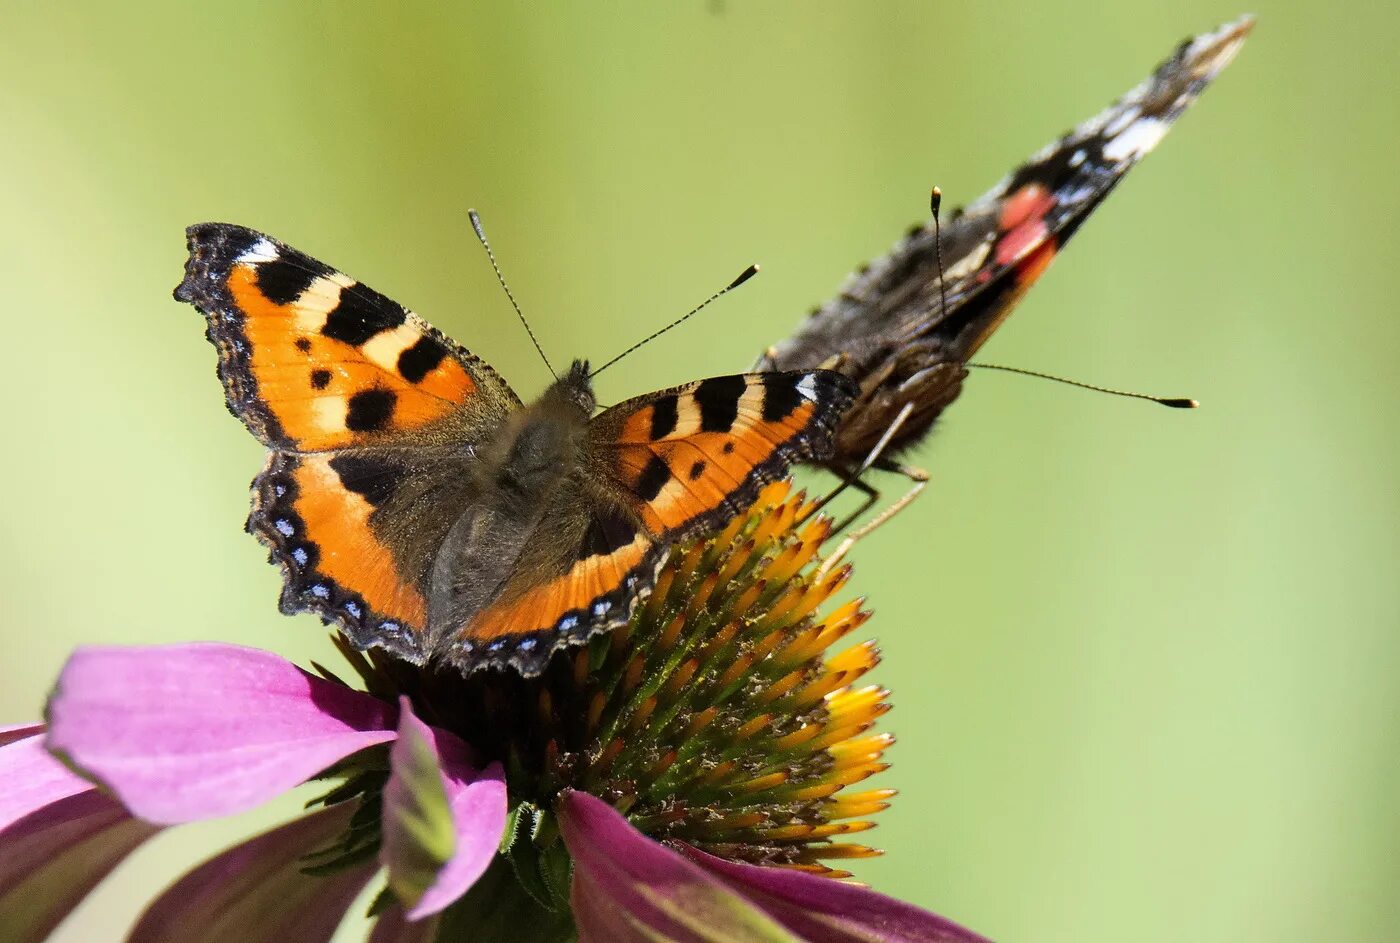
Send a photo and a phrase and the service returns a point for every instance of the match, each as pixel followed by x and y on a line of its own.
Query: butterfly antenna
pixel 935 203
pixel 481 234
pixel 744 276
pixel 1172 401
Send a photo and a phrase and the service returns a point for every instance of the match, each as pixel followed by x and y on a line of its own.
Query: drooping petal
pixel 19 732
pixel 58 836
pixel 258 892
pixel 29 777
pixel 821 909
pixel 443 817
pixel 628 887
pixel 186 732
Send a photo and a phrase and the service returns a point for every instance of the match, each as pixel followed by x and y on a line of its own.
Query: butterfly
pixel 412 499
pixel 905 326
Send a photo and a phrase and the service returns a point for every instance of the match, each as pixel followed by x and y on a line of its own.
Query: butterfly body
pixel 534 488
pixel 412 498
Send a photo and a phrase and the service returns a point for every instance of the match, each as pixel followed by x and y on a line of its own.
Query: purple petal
pixel 185 732
pixel 443 818
pixel 257 892
pixel 628 887
pixel 821 909
pixel 19 732
pixel 30 778
pixel 393 926
pixel 59 834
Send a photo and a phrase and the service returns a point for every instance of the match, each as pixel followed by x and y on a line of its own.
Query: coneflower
pixel 695 775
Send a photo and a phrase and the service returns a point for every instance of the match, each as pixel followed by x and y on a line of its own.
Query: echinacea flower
pixel 684 778
pixel 59 835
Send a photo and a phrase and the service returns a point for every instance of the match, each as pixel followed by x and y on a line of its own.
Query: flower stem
pixel 499 910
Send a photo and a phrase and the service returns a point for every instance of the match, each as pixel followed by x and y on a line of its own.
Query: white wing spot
pixel 969 263
pixel 1137 140
pixel 383 349
pixel 261 251
pixel 318 300
pixel 330 413
pixel 1121 121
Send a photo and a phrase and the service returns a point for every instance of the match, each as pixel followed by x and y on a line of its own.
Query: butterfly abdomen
pixel 537 454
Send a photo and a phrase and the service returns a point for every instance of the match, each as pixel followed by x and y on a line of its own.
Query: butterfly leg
pixel 853 478
pixel 916 475
pixel 920 479
pixel 872 497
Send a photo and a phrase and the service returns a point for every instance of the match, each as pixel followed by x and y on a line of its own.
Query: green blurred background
pixel 1144 662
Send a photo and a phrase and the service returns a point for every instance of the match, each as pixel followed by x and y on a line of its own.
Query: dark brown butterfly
pixel 905 326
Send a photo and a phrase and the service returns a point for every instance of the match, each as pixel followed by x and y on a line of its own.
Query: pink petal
pixel 628 887
pixel 30 778
pixel 393 926
pixel 257 892
pixel 821 909
pixel 443 818
pixel 18 732
pixel 185 732
pixel 59 836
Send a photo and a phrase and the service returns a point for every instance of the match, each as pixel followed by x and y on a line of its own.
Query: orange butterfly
pixel 411 498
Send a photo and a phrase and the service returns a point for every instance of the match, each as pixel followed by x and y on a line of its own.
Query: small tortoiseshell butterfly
pixel 905 338
pixel 411 498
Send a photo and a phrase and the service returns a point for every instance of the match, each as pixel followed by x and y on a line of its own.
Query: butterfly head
pixel 574 389
pixel 543 441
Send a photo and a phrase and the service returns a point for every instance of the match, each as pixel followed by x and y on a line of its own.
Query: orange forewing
pixel 308 380
pixel 696 455
pixel 726 461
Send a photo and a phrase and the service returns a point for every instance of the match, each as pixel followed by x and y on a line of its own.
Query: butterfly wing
pixel 371 414
pixel 663 467
pixel 690 458
pixel 355 532
pixel 581 571
pixel 312 360
pixel 889 328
